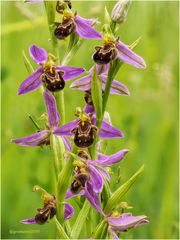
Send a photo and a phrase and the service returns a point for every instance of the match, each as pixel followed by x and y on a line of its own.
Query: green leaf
pixel 101 230
pixel 135 43
pixel 27 63
pixel 58 150
pixel 106 193
pixel 59 96
pixel 121 191
pixel 81 218
pixel 68 55
pixel 61 232
pixel 64 181
pixel 107 17
pixel 96 91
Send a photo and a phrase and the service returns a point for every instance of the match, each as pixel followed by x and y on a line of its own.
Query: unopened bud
pixel 120 11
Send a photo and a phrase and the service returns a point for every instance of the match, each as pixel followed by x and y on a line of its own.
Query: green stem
pixel 60 105
pixel 114 67
pixel 50 12
pixel 57 146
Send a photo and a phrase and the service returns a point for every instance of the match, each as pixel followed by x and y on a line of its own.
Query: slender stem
pixel 60 105
pixel 114 67
pixel 50 11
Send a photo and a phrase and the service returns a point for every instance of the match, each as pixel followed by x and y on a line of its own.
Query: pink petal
pixel 39 55
pixel 31 83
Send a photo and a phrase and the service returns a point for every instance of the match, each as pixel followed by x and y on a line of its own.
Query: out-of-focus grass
pixel 148 118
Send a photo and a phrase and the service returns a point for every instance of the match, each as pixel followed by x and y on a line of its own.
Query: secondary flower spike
pixel 51 76
pixel 84 83
pixel 84 130
pixel 43 137
pixel 114 48
pixel 49 209
pixel 74 23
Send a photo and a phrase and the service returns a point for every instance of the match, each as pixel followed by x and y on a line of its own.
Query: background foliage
pixel 148 118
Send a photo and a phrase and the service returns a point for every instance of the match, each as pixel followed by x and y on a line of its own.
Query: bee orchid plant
pixel 81 166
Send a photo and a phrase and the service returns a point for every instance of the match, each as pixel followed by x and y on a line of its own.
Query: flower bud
pixel 120 11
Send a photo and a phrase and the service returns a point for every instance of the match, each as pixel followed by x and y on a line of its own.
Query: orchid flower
pixel 114 48
pixel 74 23
pixel 49 209
pixel 84 83
pixel 89 175
pixel 124 222
pixel 51 76
pixel 84 130
pixel 43 136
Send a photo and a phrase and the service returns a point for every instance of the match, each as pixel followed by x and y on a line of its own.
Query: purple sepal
pixel 93 197
pixel 114 235
pixel 126 221
pixel 35 139
pixel 89 109
pixel 83 84
pixel 31 83
pixel 128 56
pixel 108 131
pixel 101 170
pixel 100 69
pixel 66 129
pixel 70 194
pixel 96 179
pixel 69 211
pixel 101 156
pixel 85 20
pixel 39 55
pixel 116 87
pixel 70 72
pixel 29 221
pixel 84 28
pixel 53 115
pixel 111 159
pixel 67 143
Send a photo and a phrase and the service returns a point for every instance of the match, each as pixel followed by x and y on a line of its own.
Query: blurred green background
pixel 148 118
